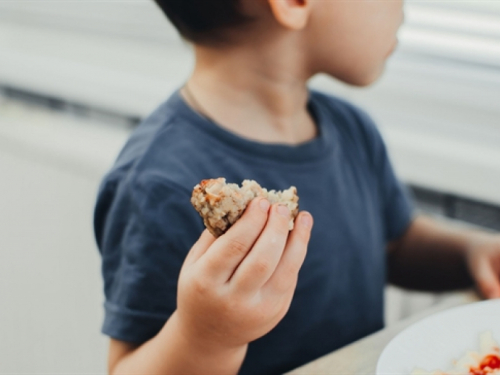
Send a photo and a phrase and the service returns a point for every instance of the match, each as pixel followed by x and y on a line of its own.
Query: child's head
pixel 347 39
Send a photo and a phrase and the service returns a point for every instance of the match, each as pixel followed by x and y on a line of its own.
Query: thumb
pixel 487 279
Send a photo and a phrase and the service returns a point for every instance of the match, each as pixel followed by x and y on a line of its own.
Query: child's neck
pixel 259 97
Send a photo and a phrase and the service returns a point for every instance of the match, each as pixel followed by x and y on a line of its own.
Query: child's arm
pixel 434 256
pixel 232 290
pixel 170 352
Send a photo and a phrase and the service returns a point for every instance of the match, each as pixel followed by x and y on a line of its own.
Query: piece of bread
pixel 221 204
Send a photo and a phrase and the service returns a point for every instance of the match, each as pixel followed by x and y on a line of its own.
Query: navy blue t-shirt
pixel 145 224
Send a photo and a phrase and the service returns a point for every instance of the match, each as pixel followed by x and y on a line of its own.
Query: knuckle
pixel 200 286
pixel 261 266
pixel 237 247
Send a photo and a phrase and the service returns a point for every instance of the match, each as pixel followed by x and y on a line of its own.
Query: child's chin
pixel 362 79
pixel 372 79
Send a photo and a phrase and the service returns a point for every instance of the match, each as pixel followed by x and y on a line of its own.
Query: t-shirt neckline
pixel 315 149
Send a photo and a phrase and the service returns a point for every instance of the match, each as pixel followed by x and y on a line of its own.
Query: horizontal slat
pixel 80 146
pixel 108 72
pixel 471 7
pixel 452 20
pixel 452 46
pixel 131 19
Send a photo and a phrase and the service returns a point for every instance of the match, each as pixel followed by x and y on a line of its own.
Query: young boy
pixel 239 304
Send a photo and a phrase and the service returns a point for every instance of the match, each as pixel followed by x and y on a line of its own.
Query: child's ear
pixel 292 14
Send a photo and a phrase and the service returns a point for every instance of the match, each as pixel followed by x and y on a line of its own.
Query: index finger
pixel 200 247
pixel 227 252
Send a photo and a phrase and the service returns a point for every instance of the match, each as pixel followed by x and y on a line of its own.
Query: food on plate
pixel 484 362
pixel 221 204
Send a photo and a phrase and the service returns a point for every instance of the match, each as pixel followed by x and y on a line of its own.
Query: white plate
pixel 433 343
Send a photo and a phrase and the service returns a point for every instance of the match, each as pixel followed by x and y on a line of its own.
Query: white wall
pixel 49 271
pixel 50 283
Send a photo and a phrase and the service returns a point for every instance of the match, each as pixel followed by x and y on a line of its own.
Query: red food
pixel 488 364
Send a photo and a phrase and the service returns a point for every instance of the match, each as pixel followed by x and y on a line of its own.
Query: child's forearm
pixel 430 256
pixel 172 352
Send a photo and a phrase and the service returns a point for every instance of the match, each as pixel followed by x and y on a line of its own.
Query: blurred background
pixel 77 76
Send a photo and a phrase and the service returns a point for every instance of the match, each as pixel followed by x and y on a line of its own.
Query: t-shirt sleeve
pixel 395 199
pixel 144 229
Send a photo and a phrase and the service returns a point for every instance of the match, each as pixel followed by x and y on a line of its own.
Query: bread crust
pixel 221 204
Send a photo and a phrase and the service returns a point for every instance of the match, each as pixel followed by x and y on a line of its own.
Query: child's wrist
pixel 206 346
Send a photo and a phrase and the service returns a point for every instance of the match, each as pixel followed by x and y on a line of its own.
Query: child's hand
pixel 483 258
pixel 235 289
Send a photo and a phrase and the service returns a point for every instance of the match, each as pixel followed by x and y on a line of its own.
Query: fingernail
pixel 283 210
pixel 306 220
pixel 264 204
